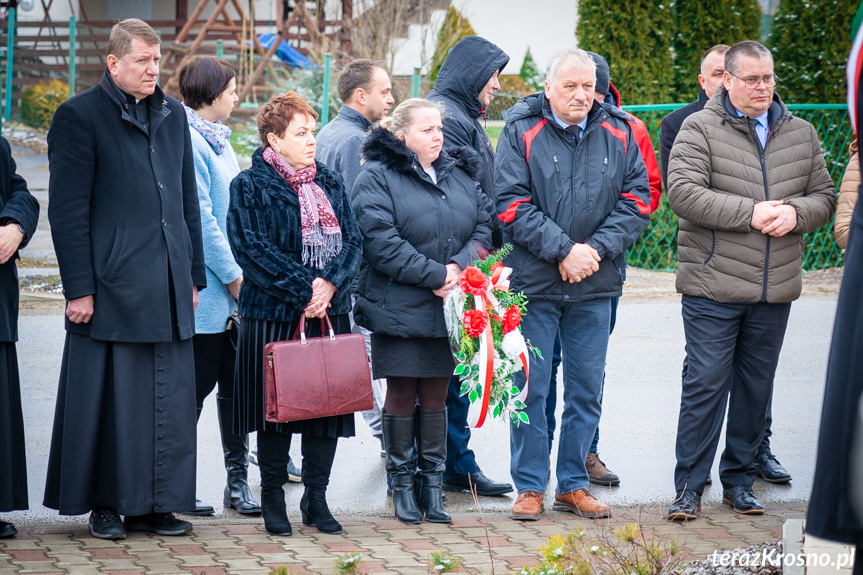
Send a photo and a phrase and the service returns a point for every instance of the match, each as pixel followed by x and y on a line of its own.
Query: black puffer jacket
pixel 412 228
pixel 552 194
pixel 466 70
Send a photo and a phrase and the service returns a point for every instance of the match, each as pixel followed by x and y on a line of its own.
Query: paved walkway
pixel 489 544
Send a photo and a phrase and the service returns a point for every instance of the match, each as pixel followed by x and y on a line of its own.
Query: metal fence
pixel 656 249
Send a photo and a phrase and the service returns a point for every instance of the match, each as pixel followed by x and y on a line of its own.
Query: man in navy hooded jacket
pixel 465 85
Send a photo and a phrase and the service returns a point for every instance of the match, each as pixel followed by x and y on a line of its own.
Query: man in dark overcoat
pixel 19 213
pixel 125 221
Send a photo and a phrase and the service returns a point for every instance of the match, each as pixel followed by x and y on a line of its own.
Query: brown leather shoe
pixel 597 471
pixel 582 503
pixel 528 506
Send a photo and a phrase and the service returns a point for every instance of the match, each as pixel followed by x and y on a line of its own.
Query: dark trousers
pixel 215 356
pixel 460 459
pixel 273 455
pixel 732 351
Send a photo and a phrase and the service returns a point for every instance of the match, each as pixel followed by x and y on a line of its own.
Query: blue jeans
pixel 551 402
pixel 584 341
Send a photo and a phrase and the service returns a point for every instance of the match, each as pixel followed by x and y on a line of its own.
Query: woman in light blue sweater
pixel 208 87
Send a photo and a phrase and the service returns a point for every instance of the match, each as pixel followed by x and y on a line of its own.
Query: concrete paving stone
pixel 20 555
pixel 461 549
pixel 391 524
pixel 163 567
pixel 295 568
pixel 205 570
pixel 472 531
pixel 55 550
pixel 236 552
pixel 35 566
pixel 261 571
pixel 494 542
pixel 276 557
pixel 217 544
pixel 117 564
pixel 379 568
pixel 516 563
pixel 78 559
pixel 19 542
pixel 341 546
pixel 90 570
pixel 404 560
pixel 87 543
pixel 128 572
pixel 198 561
pixel 185 549
pixel 417 544
pixel 244 539
pixel 244 529
pixel 161 554
pixel 402 533
pixel 239 564
pixel 269 547
pixel 56 538
pixel 134 546
pixel 359 530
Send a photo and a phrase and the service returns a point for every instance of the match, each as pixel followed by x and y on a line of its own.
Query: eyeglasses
pixel 753 82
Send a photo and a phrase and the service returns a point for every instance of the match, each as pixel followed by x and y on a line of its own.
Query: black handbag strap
pixel 300 332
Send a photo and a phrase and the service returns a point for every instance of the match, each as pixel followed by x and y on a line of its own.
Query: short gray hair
pixel 577 54
pixel 748 48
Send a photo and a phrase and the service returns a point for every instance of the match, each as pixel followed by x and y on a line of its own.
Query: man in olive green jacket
pixel 747 179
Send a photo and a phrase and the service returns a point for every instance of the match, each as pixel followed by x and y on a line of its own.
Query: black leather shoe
pixel 7 530
pixel 770 470
pixel 482 484
pixel 742 500
pixel 709 480
pixel 159 523
pixel 201 509
pixel 105 523
pixel 686 506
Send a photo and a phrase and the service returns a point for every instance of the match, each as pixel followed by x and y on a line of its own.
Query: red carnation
pixel 511 319
pixel 473 281
pixel 475 321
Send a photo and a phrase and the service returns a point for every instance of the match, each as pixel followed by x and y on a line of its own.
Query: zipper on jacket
pixel 557 171
pixel 604 164
pixel 766 197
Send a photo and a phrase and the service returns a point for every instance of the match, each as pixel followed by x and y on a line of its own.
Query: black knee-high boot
pixel 399 441
pixel 273 453
pixel 318 455
pixel 236 449
pixel 431 462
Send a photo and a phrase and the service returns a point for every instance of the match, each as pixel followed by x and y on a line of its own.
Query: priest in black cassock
pixel 19 213
pixel 125 221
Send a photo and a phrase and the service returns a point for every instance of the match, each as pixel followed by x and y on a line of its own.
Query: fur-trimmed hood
pixel 383 147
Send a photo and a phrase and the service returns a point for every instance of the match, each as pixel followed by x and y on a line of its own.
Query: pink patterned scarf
pixel 322 235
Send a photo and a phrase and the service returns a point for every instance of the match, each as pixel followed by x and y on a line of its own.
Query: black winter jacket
pixel 552 194
pixel 16 204
pixel 412 229
pixel 466 70
pixel 124 212
pixel 670 126
pixel 265 234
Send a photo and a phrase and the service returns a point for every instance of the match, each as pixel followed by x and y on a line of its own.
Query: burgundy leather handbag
pixel 313 377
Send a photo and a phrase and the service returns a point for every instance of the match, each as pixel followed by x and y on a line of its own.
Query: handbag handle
pixel 301 329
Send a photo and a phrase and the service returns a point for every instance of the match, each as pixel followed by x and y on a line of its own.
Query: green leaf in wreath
pixel 474 370
pixel 523 416
pixel 496 411
pixel 513 390
pixel 465 387
pixel 460 369
pixel 461 356
pixel 518 404
pixel 473 396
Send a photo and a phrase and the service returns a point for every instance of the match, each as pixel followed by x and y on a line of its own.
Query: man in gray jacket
pixel 747 179
pixel 367 94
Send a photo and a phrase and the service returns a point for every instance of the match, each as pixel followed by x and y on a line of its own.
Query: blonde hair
pixel 402 116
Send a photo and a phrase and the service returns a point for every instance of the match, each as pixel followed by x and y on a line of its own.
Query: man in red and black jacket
pixel 573 195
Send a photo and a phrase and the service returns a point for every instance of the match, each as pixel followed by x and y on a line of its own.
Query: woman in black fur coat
pixel 293 233
pixel 422 220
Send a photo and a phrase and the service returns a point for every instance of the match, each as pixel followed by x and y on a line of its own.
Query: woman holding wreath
pixel 293 233
pixel 423 223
